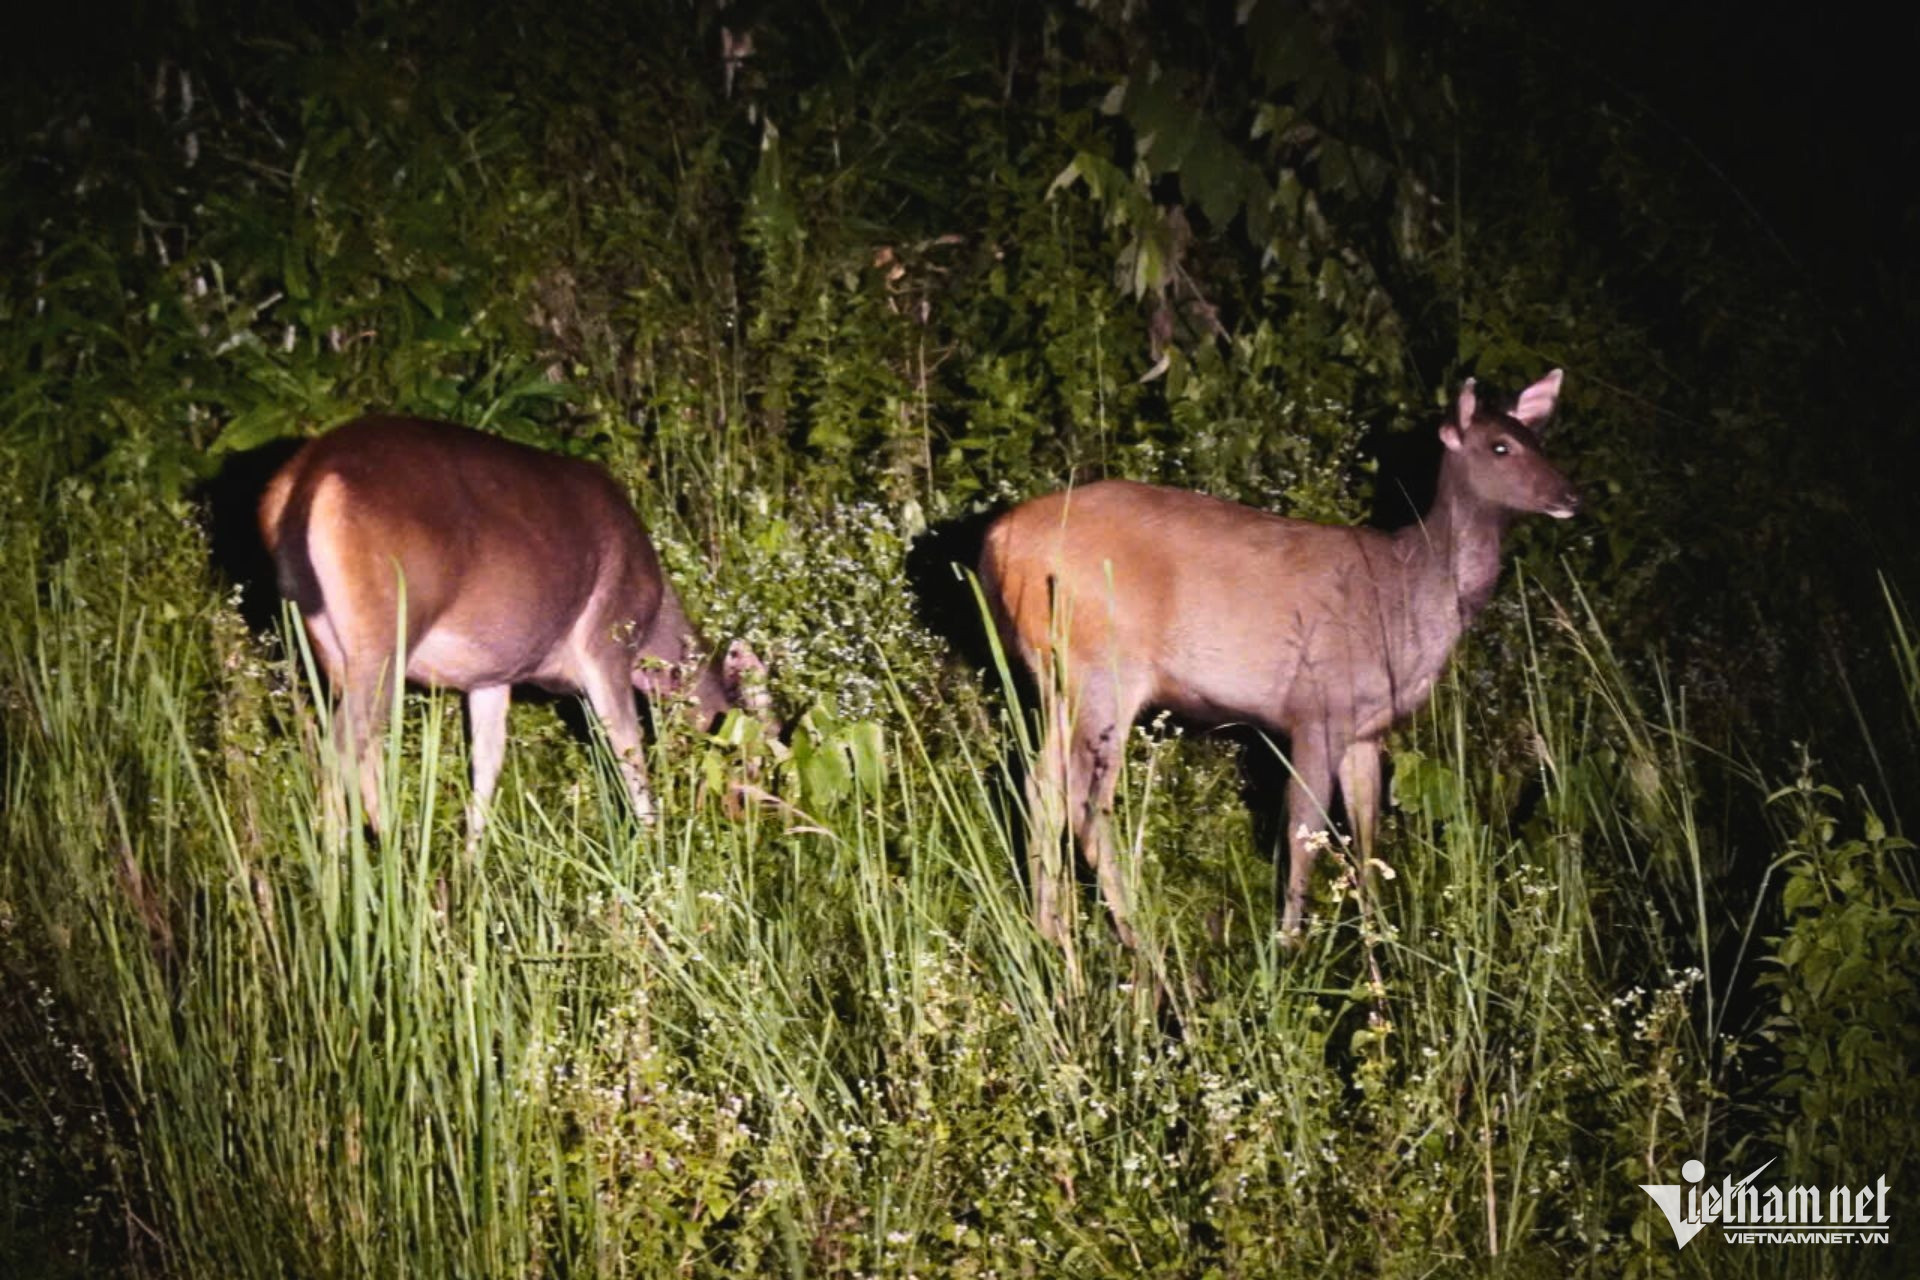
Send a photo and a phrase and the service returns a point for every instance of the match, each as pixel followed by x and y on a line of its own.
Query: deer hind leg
pixel 1309 795
pixel 361 726
pixel 608 682
pixel 359 634
pixel 1047 820
pixel 357 672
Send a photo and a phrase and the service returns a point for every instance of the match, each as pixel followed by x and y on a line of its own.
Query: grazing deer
pixel 515 567
pixel 1121 596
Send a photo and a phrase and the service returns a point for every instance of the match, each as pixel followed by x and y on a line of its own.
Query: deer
pixel 1119 597
pixel 465 561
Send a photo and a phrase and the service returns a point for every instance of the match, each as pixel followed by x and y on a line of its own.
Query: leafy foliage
pixel 1846 967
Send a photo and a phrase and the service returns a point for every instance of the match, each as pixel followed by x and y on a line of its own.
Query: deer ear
pixel 1536 403
pixel 1453 434
pixel 1465 407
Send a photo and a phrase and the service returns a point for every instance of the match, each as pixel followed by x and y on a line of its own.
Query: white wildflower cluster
pixel 77 1058
pixel 935 1006
pixel 821 596
pixel 1308 453
pixel 1317 842
pixel 849 1141
pixel 1534 894
pixel 1650 1014
pixel 1669 1005
pixel 86 1127
pixel 648 1125
pixel 1553 1175
pixel 1224 1103
pixel 1530 882
pixel 1159 729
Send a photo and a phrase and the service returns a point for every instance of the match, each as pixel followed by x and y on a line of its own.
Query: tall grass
pixel 825 1038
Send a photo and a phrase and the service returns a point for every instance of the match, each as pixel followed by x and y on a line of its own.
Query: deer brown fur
pixel 1120 597
pixel 515 567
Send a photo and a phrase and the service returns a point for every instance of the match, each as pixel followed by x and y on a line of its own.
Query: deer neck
pixel 1455 547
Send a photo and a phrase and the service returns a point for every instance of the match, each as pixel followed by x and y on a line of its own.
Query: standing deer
pixel 1120 596
pixel 515 566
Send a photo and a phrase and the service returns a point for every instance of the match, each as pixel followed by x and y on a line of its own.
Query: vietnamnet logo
pixel 1778 1215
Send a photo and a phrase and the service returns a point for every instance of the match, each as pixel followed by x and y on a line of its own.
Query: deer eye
pixel 1500 449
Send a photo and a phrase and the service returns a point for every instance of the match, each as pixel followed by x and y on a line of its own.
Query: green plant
pixel 1840 977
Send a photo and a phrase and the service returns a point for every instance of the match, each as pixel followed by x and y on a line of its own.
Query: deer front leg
pixel 1093 774
pixel 1309 794
pixel 487 739
pixel 610 693
pixel 1109 699
pixel 1360 789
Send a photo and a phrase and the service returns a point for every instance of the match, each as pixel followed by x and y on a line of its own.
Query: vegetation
pixel 822 289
